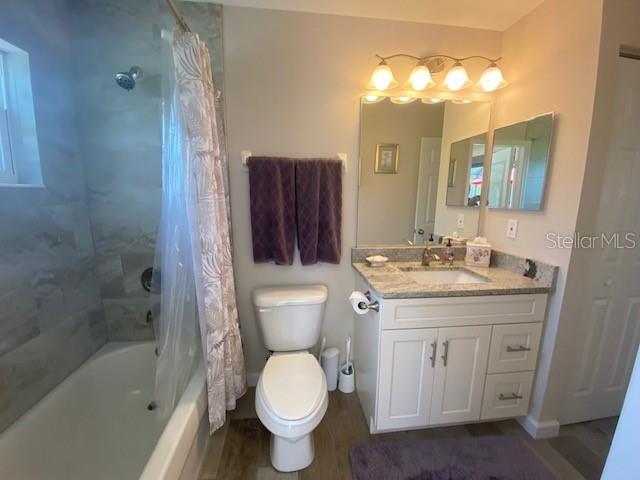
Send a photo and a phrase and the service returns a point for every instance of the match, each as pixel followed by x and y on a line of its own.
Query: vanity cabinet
pixel 424 362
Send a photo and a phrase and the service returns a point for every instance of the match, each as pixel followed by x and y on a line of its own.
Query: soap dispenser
pixel 449 253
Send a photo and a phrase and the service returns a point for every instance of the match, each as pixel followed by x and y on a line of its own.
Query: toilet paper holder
pixel 371 305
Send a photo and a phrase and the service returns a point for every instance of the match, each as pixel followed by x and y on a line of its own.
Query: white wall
pixel 460 122
pixel 550 58
pixel 293 83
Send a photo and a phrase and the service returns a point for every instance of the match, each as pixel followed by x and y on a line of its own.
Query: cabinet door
pixel 460 373
pixel 406 377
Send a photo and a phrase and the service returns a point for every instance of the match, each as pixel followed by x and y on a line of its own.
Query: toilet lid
pixel 293 385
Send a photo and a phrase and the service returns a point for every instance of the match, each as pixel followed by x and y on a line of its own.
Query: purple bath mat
pixel 470 458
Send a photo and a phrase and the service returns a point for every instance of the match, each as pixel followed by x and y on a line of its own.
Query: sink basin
pixel 432 277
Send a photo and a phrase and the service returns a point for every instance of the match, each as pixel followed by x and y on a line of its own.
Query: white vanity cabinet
pixel 424 362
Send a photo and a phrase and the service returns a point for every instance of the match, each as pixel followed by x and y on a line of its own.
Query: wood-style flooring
pixel 240 449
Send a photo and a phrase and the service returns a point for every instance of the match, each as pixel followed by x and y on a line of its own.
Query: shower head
pixel 127 80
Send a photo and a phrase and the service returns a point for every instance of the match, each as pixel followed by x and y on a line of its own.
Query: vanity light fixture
pixel 491 79
pixel 457 78
pixel 432 101
pixel 372 98
pixel 382 77
pixel 421 77
pixel 402 100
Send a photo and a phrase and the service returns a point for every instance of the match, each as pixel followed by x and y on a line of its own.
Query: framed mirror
pixel 520 163
pixel 418 190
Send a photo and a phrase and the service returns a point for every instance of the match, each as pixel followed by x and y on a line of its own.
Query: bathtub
pixel 96 425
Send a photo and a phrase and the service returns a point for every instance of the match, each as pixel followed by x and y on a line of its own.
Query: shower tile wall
pixel 51 316
pixel 121 134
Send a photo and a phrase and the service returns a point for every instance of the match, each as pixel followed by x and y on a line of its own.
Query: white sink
pixel 432 277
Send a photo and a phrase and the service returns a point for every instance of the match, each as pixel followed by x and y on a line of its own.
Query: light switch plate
pixel 461 221
pixel 512 228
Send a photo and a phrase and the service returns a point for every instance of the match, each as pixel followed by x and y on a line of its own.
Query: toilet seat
pixel 291 396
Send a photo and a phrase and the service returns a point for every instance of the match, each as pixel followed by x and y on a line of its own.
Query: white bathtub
pixel 95 425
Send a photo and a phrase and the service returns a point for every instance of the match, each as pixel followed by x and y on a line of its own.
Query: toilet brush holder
pixel 346 382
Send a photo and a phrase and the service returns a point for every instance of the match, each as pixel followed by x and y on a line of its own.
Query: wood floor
pixel 240 450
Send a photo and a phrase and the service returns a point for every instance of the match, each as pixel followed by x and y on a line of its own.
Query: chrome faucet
pixel 427 256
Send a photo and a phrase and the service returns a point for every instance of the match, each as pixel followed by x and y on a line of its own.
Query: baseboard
pixel 537 429
pixel 252 379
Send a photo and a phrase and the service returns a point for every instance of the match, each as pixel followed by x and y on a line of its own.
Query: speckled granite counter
pixel 392 281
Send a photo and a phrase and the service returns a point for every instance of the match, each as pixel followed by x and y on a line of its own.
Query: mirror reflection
pixel 466 167
pixel 409 187
pixel 519 164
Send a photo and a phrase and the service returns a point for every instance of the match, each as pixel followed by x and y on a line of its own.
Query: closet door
pixel 460 373
pixel 407 359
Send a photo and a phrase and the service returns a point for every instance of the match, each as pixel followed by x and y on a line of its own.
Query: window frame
pixel 8 174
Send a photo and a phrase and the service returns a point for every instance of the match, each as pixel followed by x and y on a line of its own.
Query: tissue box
pixel 478 253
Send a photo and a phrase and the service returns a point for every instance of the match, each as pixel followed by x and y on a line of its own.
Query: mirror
pixel 519 164
pixel 409 186
pixel 466 167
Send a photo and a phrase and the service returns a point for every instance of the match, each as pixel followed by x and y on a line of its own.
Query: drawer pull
pixel 434 347
pixel 511 396
pixel 519 348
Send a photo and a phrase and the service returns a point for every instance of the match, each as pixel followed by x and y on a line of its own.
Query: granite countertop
pixel 392 281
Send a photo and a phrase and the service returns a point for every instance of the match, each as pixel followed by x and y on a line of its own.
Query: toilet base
pixel 290 455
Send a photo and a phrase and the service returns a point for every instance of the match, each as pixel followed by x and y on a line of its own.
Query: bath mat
pixel 470 458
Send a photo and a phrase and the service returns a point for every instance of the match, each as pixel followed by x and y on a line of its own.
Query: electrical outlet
pixel 512 228
pixel 461 221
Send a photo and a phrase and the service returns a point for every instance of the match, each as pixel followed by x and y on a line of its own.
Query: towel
pixel 272 199
pixel 319 210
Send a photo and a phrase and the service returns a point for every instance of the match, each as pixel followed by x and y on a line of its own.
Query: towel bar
pixel 245 154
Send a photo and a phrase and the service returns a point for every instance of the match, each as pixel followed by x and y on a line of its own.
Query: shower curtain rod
pixel 179 18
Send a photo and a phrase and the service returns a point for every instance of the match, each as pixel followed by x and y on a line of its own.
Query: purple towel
pixel 319 210
pixel 272 197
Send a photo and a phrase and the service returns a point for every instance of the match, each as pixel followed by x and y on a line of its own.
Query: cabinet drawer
pixel 506 395
pixel 462 311
pixel 514 348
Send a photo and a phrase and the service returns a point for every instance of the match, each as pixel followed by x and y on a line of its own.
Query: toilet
pixel 291 395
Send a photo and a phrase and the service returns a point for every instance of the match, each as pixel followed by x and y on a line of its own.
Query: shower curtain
pixel 194 245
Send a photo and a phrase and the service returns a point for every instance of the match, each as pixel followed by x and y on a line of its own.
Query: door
pixel 460 373
pixel 607 345
pixel 406 377
pixel 425 218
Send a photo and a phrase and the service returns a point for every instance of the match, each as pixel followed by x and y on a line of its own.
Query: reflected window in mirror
pixel 411 204
pixel 466 171
pixel 519 164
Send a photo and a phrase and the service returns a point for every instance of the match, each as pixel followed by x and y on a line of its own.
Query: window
pixel 19 153
pixel 7 171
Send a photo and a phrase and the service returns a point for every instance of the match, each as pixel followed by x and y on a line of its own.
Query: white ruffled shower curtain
pixel 194 242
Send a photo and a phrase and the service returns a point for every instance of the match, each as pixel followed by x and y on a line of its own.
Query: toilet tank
pixel 290 317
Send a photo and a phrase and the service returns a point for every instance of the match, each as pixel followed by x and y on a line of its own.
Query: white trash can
pixel 329 361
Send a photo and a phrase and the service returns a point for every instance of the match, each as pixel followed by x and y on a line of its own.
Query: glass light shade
pixel 432 101
pixel 372 99
pixel 402 100
pixel 457 78
pixel 420 78
pixel 382 77
pixel 491 79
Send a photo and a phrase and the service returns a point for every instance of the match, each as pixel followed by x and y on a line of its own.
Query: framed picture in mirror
pixel 387 158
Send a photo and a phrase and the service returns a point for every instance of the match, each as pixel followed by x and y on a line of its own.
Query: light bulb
pixel 372 99
pixel 382 77
pixel 492 79
pixel 420 78
pixel 432 101
pixel 457 78
pixel 401 100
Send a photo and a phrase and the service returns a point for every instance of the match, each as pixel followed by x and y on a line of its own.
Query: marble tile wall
pixel 121 140
pixel 51 315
